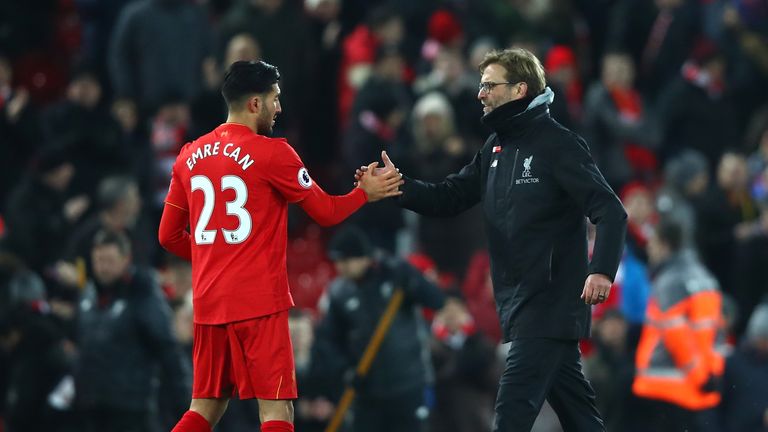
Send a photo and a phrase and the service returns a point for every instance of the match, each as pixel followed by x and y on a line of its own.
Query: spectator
pixel 38 361
pixel 92 135
pixel 208 110
pixel 451 77
pixel 438 151
pixel 384 27
pixel 313 409
pixel 678 361
pixel 376 127
pixel 731 236
pixel 695 109
pixel 119 210
pixel 39 215
pixel 610 369
pixel 686 180
pixel 466 371
pixel 658 34
pixel 159 47
pixel 169 131
pixel 124 334
pixel 618 124
pixel 563 75
pixel 279 27
pixel 392 395
pixel 745 401
pixel 19 136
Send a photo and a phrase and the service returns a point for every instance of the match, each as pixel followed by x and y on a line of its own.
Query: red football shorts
pixel 251 358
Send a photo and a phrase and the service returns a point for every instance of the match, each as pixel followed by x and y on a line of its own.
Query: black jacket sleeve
pixel 417 288
pixel 455 194
pixel 576 172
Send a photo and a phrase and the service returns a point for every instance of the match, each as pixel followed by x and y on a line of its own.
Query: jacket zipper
pixel 514 166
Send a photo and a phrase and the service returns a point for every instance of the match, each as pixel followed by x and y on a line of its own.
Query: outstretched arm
pixel 329 210
pixel 455 194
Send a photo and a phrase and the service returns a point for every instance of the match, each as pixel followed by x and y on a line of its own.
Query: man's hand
pixel 379 186
pixel 388 165
pixel 596 289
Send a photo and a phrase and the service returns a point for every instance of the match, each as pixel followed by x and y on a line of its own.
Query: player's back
pixel 238 217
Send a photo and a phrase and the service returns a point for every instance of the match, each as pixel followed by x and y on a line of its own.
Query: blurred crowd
pixel 97 97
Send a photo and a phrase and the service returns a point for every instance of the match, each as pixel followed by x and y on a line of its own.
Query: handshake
pixel 379 183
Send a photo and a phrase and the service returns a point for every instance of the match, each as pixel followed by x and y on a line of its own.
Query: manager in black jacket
pixel 537 181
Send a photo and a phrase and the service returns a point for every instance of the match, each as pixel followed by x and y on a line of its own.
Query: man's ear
pixel 522 89
pixel 255 104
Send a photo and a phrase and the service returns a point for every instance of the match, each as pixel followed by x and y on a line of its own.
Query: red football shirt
pixel 236 185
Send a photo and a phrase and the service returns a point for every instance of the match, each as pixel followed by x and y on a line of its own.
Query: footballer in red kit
pixel 232 188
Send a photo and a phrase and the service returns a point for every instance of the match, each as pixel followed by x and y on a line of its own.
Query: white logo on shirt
pixel 304 179
pixel 526 176
pixel 527 166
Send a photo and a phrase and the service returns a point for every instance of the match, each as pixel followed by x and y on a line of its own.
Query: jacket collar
pixel 514 118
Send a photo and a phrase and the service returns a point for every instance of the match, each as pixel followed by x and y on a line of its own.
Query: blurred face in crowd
pixel 268 6
pixel 612 332
pixel 242 47
pixel 454 315
pixel 498 94
pixel 302 334
pixel 697 185
pixel 639 207
pixel 391 32
pixel 716 68
pixel 449 64
pixel 59 177
pixel 85 91
pixel 353 268
pixel 391 67
pixel 732 172
pixel 174 114
pixel 6 73
pixel 668 4
pixel 618 71
pixel 325 10
pixel 269 110
pixel 109 263
pixel 127 210
pixel 124 111
pixel 658 251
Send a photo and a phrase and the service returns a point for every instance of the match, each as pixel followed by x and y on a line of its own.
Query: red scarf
pixel 630 108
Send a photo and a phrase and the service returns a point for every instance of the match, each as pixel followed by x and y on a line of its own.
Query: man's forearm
pixel 328 210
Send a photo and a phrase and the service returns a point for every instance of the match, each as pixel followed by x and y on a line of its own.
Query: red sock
pixel 276 426
pixel 192 422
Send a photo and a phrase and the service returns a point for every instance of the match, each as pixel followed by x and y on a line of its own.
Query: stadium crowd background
pixel 97 97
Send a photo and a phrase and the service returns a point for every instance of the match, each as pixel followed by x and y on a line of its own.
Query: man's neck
pixel 243 120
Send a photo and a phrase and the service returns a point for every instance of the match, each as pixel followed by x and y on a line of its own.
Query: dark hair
pixel 670 232
pixel 349 242
pixel 112 238
pixel 380 16
pixel 246 78
pixel 113 189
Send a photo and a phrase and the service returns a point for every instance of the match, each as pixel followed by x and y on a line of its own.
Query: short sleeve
pixel 288 174
pixel 176 196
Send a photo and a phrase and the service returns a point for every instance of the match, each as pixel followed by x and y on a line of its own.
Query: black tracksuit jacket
pixel 537 181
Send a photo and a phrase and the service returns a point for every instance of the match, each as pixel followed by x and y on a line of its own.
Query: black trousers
pixel 537 369
pixel 406 412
